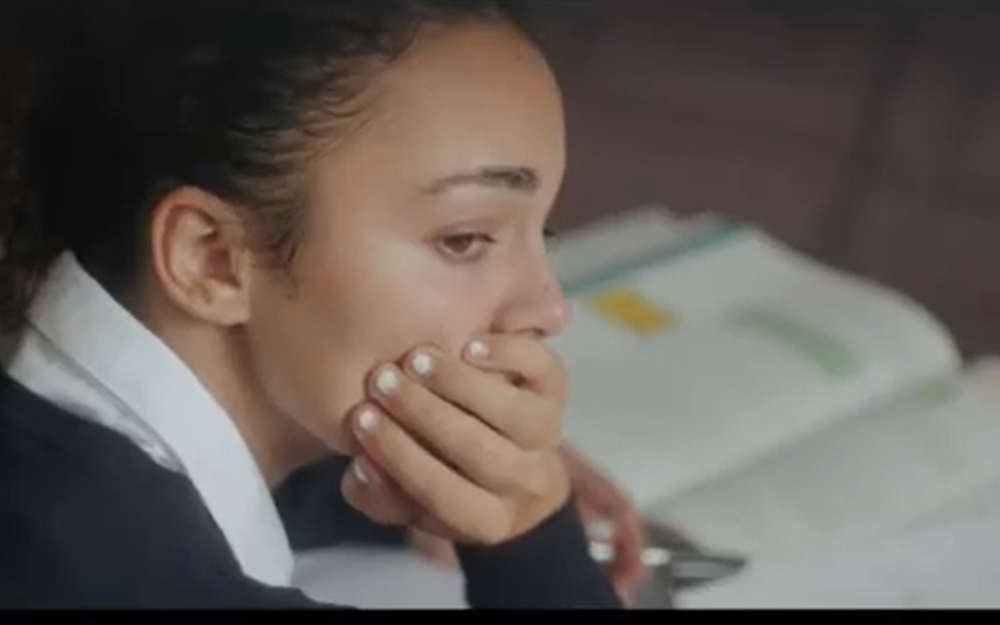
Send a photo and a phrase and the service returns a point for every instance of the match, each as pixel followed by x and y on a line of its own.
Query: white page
pixel 667 411
pixel 624 237
pixel 950 561
pixel 378 579
pixel 857 480
pixel 948 556
pixel 951 566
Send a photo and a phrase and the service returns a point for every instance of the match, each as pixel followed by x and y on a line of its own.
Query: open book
pixel 762 402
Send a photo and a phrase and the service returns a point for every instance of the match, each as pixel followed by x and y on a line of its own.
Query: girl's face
pixel 425 225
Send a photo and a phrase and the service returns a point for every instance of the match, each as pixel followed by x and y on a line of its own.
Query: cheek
pixel 442 306
pixel 313 352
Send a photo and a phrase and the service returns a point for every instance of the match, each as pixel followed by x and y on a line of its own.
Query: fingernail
pixel 601 552
pixel 387 381
pixel 477 350
pixel 422 363
pixel 359 473
pixel 368 421
pixel 601 530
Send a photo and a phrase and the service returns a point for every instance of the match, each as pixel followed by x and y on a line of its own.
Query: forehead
pixel 465 95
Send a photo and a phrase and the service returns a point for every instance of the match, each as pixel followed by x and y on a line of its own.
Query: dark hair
pixel 231 96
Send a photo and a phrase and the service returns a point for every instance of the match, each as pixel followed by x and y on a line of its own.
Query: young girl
pixel 257 232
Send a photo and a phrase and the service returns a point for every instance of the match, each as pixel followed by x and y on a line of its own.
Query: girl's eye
pixel 465 246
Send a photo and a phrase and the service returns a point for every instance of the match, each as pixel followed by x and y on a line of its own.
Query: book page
pixel 622 240
pixel 689 365
pixel 946 560
pixel 859 480
pixel 378 578
pixel 939 566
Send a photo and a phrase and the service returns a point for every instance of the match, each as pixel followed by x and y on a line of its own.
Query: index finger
pixel 528 359
pixel 446 495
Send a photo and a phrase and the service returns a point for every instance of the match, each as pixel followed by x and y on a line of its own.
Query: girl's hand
pixel 602 503
pixel 450 447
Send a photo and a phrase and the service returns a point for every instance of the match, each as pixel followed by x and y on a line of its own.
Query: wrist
pixel 549 566
pixel 555 495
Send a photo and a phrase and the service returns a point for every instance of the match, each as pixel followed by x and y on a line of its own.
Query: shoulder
pixel 89 520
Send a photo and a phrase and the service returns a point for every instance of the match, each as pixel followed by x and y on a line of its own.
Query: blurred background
pixel 866 133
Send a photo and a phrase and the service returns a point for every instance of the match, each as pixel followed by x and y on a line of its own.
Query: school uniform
pixel 123 483
pixel 316 516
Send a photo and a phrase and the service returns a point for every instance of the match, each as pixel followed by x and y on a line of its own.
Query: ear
pixel 200 256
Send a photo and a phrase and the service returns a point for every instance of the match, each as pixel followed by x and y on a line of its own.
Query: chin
pixel 305 446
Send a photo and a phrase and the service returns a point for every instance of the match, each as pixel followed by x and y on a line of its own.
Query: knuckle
pixel 532 482
pixel 514 406
pixel 438 499
pixel 537 484
pixel 482 454
pixel 494 523
pixel 413 404
pixel 537 420
pixel 478 449
pixel 499 467
pixel 545 426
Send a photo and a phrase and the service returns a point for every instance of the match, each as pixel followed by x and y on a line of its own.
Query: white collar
pixel 86 353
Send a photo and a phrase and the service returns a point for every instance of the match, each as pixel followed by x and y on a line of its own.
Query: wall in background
pixel 866 133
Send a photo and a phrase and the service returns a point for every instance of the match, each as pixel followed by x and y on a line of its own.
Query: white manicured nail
pixel 368 421
pixel 359 474
pixel 422 363
pixel 477 350
pixel 601 530
pixel 387 381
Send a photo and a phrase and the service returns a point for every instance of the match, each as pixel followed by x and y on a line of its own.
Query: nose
pixel 537 306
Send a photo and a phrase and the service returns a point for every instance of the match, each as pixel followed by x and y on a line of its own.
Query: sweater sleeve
pixel 547 568
pixel 315 514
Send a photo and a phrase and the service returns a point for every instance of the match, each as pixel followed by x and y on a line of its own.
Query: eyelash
pixel 473 240
pixel 474 245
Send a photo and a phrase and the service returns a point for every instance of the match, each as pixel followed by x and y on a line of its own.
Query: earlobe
pixel 199 257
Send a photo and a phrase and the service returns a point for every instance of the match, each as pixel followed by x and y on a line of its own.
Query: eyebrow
pixel 523 179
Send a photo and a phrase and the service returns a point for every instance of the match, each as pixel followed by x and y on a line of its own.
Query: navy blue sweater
pixel 316 515
pixel 88 520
